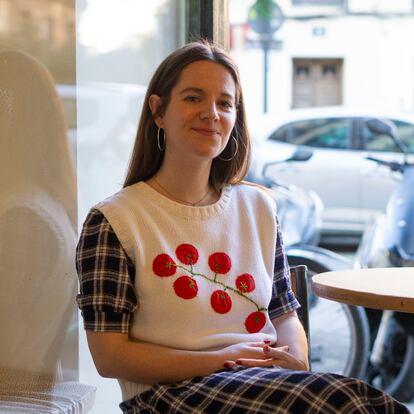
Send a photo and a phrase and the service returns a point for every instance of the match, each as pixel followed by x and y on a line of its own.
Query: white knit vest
pixel 203 274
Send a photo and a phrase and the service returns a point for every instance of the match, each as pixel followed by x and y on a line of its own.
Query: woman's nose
pixel 209 111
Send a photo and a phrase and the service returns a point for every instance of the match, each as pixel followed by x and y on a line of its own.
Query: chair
pixel 25 393
pixel 300 289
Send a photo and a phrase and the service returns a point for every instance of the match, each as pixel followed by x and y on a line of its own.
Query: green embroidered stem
pixel 217 282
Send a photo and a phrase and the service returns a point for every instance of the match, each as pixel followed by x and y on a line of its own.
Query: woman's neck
pixel 185 186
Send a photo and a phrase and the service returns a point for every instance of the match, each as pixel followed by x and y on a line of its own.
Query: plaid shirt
pixel 107 296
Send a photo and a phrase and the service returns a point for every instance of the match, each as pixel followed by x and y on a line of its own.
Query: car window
pixel 406 131
pixel 380 142
pixel 281 134
pixel 320 133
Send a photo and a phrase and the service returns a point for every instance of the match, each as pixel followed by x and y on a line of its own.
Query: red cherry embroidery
pixel 186 287
pixel 219 262
pixel 245 283
pixel 163 265
pixel 220 301
pixel 187 254
pixel 255 322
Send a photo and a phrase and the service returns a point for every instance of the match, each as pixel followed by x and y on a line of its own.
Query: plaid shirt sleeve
pixel 283 299
pixel 106 277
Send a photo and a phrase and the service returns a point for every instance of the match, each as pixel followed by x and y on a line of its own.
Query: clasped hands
pixel 262 354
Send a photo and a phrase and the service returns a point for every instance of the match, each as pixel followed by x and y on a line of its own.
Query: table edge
pixel 352 297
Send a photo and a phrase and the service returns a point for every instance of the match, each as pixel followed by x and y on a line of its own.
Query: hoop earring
pixel 235 152
pixel 159 140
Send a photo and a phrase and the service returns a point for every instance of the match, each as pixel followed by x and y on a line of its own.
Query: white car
pixel 353 189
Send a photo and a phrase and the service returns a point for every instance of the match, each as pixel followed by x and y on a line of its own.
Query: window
pixel 101 79
pixel 302 71
pixel 328 70
pixel 406 131
pixel 317 82
pixel 281 134
pixel 319 133
pixel 383 143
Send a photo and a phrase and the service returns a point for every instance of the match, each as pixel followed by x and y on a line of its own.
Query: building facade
pixel 352 53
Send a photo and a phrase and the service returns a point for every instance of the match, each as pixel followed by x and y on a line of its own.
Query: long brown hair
pixel 147 158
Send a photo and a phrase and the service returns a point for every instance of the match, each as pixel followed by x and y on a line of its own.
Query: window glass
pixel 299 61
pixel 406 131
pixel 38 208
pixel 320 133
pixel 374 141
pixel 384 143
pixel 119 45
pixel 78 92
pixel 281 134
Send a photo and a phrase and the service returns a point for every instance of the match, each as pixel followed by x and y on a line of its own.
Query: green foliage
pixel 262 9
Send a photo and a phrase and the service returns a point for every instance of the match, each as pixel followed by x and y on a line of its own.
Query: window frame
pixel 208 19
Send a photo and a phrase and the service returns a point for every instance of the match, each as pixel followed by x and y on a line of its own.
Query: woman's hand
pixel 242 351
pixel 270 357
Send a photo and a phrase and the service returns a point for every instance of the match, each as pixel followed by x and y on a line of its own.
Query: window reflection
pixel 101 83
pixel 44 30
pixel 37 228
pixel 38 212
pixel 119 46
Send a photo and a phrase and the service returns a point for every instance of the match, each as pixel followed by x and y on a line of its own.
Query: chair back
pixel 300 289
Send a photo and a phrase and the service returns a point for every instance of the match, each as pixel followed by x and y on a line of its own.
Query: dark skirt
pixel 264 390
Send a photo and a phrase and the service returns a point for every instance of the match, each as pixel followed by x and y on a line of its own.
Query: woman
pixel 185 288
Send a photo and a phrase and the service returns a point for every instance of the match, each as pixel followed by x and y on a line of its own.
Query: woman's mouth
pixel 205 131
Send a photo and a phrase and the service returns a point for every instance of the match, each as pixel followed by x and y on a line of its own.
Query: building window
pixel 317 82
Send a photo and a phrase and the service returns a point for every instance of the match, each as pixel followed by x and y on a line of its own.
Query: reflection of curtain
pixel 37 283
pixel 37 222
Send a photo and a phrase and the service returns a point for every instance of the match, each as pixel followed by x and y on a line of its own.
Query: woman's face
pixel 201 112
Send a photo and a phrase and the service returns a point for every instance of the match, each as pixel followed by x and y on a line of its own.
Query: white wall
pixel 378 59
pixel 381 6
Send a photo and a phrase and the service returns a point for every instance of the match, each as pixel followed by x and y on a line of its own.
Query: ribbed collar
pixel 197 212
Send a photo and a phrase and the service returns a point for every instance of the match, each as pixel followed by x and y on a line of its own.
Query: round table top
pixel 382 288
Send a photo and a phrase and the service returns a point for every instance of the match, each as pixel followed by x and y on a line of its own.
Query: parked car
pixel 353 190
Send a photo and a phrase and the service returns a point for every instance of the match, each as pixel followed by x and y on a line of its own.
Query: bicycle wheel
pixel 339 338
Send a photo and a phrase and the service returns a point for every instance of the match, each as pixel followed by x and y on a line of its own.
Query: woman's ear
pixel 154 102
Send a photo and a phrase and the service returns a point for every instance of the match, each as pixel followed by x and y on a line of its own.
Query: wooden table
pixel 386 288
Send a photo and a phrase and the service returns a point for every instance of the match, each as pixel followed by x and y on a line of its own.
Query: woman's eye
pixel 192 98
pixel 227 104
